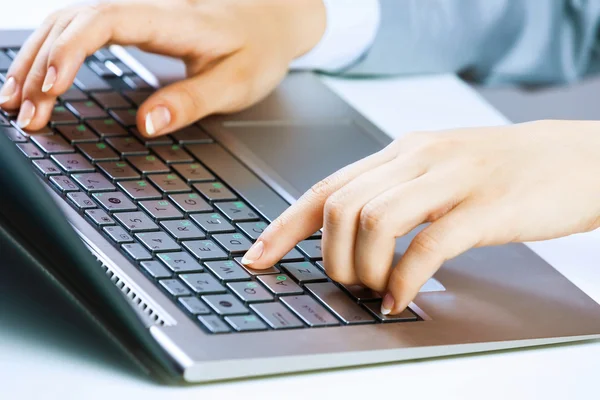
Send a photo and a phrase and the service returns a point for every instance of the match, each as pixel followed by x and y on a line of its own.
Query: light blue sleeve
pixel 495 41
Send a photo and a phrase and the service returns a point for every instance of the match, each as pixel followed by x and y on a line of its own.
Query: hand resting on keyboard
pixel 235 54
pixel 477 187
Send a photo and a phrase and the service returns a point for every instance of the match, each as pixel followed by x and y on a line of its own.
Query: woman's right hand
pixel 235 53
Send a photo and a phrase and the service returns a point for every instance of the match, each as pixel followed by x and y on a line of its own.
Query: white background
pixel 45 354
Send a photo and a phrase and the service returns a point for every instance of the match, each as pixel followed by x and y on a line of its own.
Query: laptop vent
pixel 132 296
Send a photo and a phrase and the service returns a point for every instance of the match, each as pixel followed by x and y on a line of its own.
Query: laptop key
pixel 212 223
pixel 214 324
pixel 139 190
pixel 111 100
pixel 61 115
pixel 161 209
pixel 96 152
pixel 234 243
pixel 203 283
pixel 81 200
pixel 5 61
pixel 86 110
pixel 180 261
pixel 293 255
pixel 404 316
pixel 46 167
pixel 101 69
pixel 127 146
pixel 172 154
pixel 339 303
pixel 136 221
pixel 137 97
pixel 246 323
pixel 117 234
pixel 169 183
pixel 148 164
pixel 304 272
pixel 104 54
pixel 155 269
pixel 214 191
pixel 280 284
pixel 256 272
pixel 107 127
pixel 13 133
pixel 251 189
pixel 227 271
pixel 53 144
pixel 73 94
pixel 252 229
pixel 136 83
pixel 312 248
pixel 250 292
pixel 127 117
pixel 361 293
pixel 88 80
pixel 193 172
pixel 30 150
pixel 205 250
pixel 225 304
pixel 174 287
pixel 93 182
pixel 157 242
pixel 182 229
pixel 311 312
pixel 190 203
pixel 118 170
pixel 77 133
pixel 4 121
pixel 236 211
pixel 73 163
pixel 99 217
pixel 63 183
pixel 191 134
pixel 277 315
pixel 194 305
pixel 114 202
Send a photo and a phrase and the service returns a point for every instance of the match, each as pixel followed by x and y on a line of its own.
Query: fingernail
pixel 157 120
pixel 254 253
pixel 8 90
pixel 25 114
pixel 49 80
pixel 387 304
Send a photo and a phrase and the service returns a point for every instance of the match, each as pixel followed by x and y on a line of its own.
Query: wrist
pixel 305 22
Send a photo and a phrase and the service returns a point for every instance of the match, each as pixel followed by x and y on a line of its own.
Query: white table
pixel 45 353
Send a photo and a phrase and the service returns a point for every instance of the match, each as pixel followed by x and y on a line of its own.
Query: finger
pixel 395 213
pixel 306 216
pixel 342 211
pixel 36 105
pixel 184 102
pixel 456 232
pixel 157 27
pixel 10 94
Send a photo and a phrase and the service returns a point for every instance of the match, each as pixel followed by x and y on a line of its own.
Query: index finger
pixel 305 217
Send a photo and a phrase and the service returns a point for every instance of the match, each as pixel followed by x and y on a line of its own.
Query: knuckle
pixel 193 101
pixel 322 188
pixel 371 217
pixel 340 276
pixel 425 243
pixel 334 211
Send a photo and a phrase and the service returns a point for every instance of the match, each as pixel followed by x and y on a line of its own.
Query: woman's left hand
pixel 477 187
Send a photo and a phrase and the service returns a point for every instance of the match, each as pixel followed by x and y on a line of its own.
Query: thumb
pixel 182 103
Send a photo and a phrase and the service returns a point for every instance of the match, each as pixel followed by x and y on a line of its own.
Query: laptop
pixel 146 237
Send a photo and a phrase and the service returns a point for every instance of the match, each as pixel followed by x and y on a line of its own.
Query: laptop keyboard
pixel 182 208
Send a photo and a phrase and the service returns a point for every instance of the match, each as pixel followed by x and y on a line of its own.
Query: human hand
pixel 477 187
pixel 235 53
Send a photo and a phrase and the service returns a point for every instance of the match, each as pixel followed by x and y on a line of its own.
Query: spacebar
pixel 241 179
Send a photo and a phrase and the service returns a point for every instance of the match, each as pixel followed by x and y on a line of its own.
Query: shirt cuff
pixel 351 29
